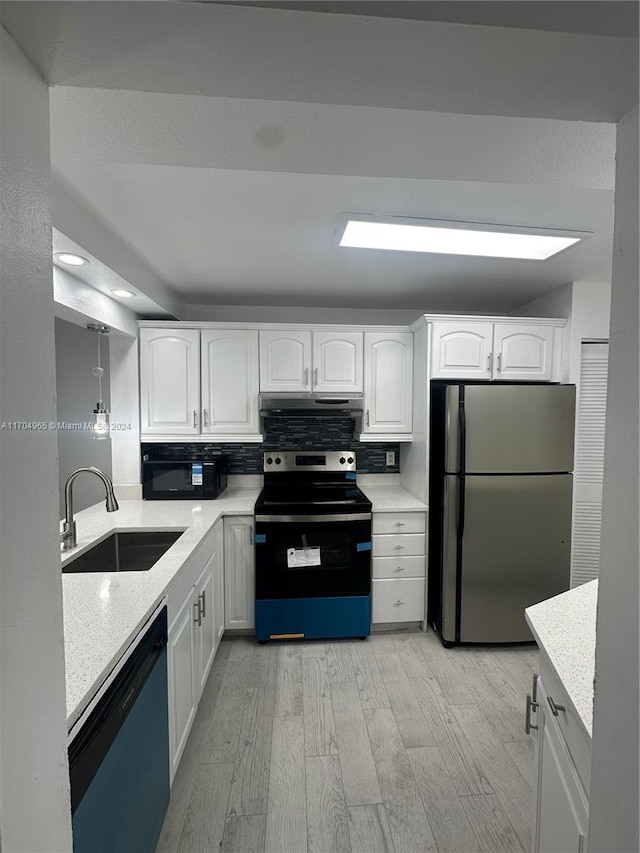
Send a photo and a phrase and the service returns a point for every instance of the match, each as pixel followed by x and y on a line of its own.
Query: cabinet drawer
pixel 398 600
pixel 398 567
pixel 567 722
pixel 400 545
pixel 399 522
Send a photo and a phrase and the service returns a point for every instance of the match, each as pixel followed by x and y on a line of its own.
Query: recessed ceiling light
pixel 456 238
pixel 123 294
pixel 72 260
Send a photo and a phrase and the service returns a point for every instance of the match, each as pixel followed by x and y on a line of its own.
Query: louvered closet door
pixel 592 404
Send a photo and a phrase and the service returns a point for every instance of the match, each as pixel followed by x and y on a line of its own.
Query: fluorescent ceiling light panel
pixel 453 238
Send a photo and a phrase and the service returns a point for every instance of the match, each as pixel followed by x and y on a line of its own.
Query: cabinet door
pixel 170 381
pixel 461 350
pixel 229 382
pixel 182 686
pixel 239 573
pixel 522 352
pixel 218 583
pixel 562 817
pixel 388 382
pixel 205 630
pixel 285 361
pixel 337 362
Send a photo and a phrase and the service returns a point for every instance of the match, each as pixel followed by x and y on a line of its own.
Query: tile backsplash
pixel 313 433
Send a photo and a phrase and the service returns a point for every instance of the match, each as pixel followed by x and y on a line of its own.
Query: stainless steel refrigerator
pixel 501 458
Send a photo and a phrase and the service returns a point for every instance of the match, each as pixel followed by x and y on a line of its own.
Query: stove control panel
pixel 310 460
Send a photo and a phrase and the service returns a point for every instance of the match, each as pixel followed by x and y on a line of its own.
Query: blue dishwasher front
pixel 119 760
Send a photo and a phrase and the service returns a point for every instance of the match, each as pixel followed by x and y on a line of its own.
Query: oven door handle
pixel 350 516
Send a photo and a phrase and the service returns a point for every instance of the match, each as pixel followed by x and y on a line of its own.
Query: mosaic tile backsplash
pixel 330 433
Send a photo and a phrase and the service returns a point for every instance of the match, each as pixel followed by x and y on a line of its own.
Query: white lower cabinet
pixel 204 636
pixel 398 600
pixel 562 807
pixel 399 560
pixel 239 573
pixel 195 596
pixel 218 583
pixel 182 686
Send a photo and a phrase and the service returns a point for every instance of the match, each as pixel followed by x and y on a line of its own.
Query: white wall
pixel 125 443
pixel 613 826
pixel 285 314
pixel 34 781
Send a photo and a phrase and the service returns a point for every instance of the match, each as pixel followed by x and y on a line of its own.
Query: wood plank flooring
pixel 391 745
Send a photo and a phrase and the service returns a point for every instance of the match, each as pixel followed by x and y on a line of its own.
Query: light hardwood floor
pixel 389 745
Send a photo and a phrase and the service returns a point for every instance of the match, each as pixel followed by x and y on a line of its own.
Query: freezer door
pixel 515 552
pixel 518 429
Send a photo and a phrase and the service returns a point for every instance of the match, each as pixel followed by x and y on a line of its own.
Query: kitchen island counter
pixel 103 612
pixel 565 629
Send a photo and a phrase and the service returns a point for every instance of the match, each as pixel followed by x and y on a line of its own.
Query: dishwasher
pixel 119 757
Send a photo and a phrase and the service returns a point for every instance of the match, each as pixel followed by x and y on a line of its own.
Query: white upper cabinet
pixel 229 381
pixel 462 350
pixel 522 352
pixel 297 360
pixel 498 351
pixel 285 361
pixel 337 362
pixel 170 381
pixel 388 383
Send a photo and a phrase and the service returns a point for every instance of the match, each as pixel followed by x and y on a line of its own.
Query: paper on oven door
pixel 299 557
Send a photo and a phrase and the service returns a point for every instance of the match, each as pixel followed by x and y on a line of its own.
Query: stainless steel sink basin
pixel 125 552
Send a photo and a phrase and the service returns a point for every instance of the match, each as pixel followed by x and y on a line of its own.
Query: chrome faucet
pixel 68 535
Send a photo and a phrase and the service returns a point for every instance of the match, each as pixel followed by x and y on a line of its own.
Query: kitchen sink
pixel 125 552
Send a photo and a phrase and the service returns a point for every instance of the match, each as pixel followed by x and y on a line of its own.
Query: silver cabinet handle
pixel 315 376
pixel 534 688
pixel 398 547
pixel 250 535
pixel 398 603
pixel 400 523
pixel 205 418
pixel 499 362
pixel 399 569
pixel 202 599
pixel 306 376
pixel 198 617
pixel 195 419
pixel 368 417
pixel 489 357
pixel 531 706
pixel 555 708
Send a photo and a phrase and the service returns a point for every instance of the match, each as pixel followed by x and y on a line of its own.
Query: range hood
pixel 310 405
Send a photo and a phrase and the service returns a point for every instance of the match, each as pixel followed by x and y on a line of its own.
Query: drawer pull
pixel 555 708
pixel 398 603
pixel 531 706
pixel 400 523
pixel 399 547
pixel 399 569
pixel 198 617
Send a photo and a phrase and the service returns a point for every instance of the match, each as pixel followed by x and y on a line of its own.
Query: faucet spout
pixel 68 536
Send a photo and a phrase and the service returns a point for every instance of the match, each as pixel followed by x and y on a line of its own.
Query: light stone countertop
pixel 565 629
pixel 391 498
pixel 103 612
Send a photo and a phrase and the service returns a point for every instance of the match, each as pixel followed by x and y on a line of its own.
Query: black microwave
pixel 183 479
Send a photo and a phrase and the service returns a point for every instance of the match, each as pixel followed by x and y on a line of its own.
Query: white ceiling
pixel 205 153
